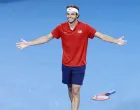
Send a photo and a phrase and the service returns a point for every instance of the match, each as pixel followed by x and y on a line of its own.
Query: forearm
pixel 38 41
pixel 109 39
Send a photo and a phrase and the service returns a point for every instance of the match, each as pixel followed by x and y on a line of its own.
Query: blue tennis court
pixel 30 79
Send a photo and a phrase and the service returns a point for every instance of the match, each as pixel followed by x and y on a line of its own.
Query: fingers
pixel 122 37
pixel 23 40
pixel 18 45
pixel 122 42
pixel 125 41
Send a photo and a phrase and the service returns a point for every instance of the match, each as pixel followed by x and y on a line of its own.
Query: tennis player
pixel 74 35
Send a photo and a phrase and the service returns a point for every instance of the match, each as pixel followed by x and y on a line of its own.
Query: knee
pixel 75 92
pixel 70 89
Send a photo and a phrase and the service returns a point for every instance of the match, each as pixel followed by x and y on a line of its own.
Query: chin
pixel 71 21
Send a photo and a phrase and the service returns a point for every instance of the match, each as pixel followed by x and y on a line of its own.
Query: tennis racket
pixel 103 96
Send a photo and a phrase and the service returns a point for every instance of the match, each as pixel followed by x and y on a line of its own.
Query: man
pixel 74 35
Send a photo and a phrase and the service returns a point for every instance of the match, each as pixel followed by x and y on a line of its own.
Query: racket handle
pixel 109 93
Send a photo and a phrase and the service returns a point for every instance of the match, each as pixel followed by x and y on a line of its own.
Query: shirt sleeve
pixel 91 31
pixel 56 32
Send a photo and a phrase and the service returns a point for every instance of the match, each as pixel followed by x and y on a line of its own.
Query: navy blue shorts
pixel 73 75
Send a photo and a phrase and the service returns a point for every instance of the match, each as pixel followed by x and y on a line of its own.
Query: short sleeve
pixel 56 32
pixel 91 31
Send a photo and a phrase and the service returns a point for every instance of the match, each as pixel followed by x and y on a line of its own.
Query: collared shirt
pixel 74 42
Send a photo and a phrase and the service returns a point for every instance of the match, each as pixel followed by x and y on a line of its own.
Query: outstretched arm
pixel 107 38
pixel 38 41
pixel 41 40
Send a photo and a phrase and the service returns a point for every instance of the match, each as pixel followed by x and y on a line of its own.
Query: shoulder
pixel 63 24
pixel 84 24
pixel 88 27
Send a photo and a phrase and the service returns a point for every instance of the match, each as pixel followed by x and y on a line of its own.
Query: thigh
pixel 66 75
pixel 78 74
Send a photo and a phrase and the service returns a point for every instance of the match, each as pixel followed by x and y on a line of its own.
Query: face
pixel 71 16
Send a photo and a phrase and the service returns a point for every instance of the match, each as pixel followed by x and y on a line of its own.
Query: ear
pixel 78 15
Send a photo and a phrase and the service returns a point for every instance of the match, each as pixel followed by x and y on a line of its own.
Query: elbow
pixel 48 39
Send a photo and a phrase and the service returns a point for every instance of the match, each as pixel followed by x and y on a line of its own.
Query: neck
pixel 73 24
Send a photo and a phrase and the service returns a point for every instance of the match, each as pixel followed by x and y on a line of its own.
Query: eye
pixel 73 14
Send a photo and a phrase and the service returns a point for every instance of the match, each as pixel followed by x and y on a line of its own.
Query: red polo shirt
pixel 74 42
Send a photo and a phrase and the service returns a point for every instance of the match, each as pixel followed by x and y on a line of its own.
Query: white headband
pixel 72 9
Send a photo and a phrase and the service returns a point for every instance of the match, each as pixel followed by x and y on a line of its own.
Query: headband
pixel 72 9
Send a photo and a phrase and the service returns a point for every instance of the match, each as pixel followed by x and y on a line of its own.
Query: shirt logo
pixel 80 31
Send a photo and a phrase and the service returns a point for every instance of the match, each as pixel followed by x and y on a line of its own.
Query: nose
pixel 69 16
